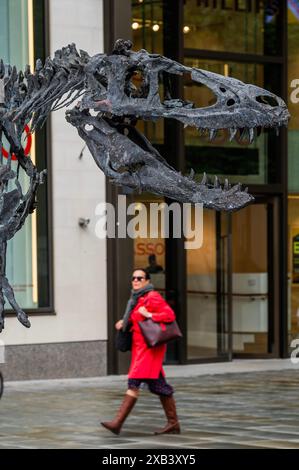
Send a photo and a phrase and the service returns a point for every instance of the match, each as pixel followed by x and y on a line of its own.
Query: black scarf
pixel 135 294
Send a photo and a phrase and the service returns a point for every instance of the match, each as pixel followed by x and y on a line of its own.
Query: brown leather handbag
pixel 154 335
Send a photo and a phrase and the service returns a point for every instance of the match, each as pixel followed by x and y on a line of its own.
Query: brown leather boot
pixel 124 410
pixel 173 425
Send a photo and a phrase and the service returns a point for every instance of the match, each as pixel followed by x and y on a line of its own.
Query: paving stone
pixel 237 411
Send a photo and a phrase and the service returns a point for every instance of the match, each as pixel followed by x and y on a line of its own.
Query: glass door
pixel 233 299
pixel 253 279
pixel 208 291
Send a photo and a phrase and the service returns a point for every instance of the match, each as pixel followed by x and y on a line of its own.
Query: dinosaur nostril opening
pixel 230 102
pixel 269 100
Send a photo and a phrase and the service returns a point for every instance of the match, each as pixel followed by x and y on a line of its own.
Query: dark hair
pixel 147 274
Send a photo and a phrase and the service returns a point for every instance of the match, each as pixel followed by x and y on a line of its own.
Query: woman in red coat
pixel 146 363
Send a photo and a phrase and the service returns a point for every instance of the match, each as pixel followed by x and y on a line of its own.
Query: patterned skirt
pixel 158 386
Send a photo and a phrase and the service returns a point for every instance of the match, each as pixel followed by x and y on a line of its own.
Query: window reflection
pixel 149 247
pixel 21 252
pixel 201 294
pixel 147 25
pixel 232 25
pixel 250 280
pixel 27 253
pixel 293 149
pixel 293 80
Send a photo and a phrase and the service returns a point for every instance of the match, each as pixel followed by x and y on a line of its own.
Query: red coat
pixel 146 363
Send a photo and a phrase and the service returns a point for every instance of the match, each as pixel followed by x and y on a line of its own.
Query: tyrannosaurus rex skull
pixel 127 157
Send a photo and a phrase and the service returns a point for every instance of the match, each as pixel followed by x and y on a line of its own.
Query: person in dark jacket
pixel 146 363
pixel 153 267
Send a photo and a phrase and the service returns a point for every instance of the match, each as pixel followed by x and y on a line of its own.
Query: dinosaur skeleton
pixel 107 108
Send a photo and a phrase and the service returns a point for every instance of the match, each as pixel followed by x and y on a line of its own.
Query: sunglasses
pixel 138 278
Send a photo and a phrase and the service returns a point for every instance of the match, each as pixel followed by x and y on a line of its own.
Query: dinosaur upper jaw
pixel 237 105
pixel 212 118
pixel 254 109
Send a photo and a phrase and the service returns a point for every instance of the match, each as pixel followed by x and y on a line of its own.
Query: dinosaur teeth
pixel 192 173
pixel 232 134
pixel 251 135
pixel 277 131
pixel 235 189
pixel 226 184
pixel 20 77
pixel 216 182
pixel 27 72
pixel 213 134
pixel 204 179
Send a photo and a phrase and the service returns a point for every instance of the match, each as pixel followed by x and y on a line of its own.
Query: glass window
pixel 149 247
pixel 250 280
pixel 147 33
pixel 232 25
pixel 201 297
pixel 293 268
pixel 293 80
pixel 293 166
pixel 207 308
pixel 27 253
pixel 147 25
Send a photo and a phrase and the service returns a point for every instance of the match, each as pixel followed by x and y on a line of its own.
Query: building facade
pixel 236 296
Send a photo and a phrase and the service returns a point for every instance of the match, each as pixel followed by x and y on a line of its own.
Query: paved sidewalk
pixel 219 405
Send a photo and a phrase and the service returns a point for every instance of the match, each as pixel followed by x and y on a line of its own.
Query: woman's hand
pixel 119 324
pixel 144 312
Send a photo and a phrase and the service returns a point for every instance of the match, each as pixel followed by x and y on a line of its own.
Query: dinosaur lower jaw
pixel 171 184
pixel 125 163
pixel 222 199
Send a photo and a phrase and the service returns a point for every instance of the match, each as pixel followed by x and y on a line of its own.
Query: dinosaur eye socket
pixel 269 100
pixel 222 89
